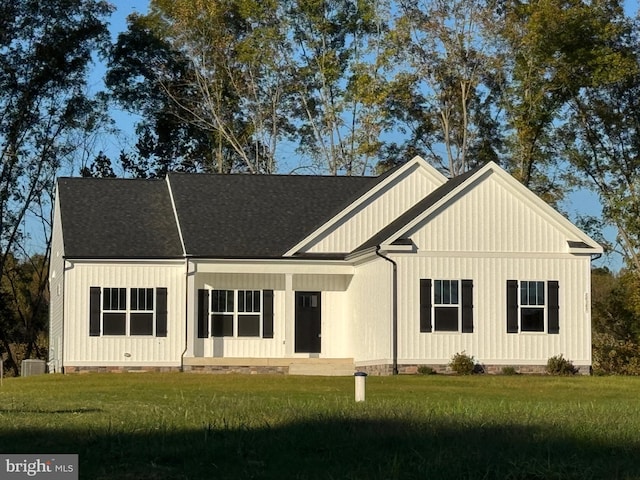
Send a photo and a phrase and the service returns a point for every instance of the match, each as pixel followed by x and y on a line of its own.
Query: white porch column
pixel 190 310
pixel 289 315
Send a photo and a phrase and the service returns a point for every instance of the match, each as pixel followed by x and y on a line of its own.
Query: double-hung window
pixel 446 305
pixel 532 302
pixel 222 312
pixel 532 306
pixel 249 311
pixel 235 313
pixel 128 311
pixel 141 315
pixel 114 308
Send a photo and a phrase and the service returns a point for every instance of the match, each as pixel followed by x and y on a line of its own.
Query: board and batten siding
pixel 247 347
pixel 490 343
pixel 81 349
pixel 336 331
pixel 371 216
pixel 56 293
pixel 494 217
pixel 491 232
pixel 244 347
pixel 370 312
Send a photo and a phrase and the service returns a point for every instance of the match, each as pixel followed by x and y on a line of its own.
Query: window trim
pixel 464 305
pixel 142 311
pixel 237 312
pixel 550 307
pixel 532 306
pixel 446 303
pixel 97 311
pixel 111 307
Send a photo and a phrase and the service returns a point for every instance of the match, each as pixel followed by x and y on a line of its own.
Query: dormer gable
pixel 395 193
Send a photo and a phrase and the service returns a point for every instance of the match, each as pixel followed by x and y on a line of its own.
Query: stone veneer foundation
pixel 120 369
pixel 381 370
pixel 374 370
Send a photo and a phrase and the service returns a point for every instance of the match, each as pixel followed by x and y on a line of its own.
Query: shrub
pixel 612 356
pixel 426 370
pixel 558 365
pixel 509 371
pixel 462 364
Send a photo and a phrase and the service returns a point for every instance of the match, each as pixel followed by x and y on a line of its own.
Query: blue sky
pixel 577 203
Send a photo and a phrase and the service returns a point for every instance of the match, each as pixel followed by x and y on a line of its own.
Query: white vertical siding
pixel 336 328
pixel 377 212
pixel 84 350
pixel 490 343
pixel 241 281
pixel 369 312
pixel 491 233
pixel 251 347
pixel 245 347
pixel 490 216
pixel 56 292
pixel 331 283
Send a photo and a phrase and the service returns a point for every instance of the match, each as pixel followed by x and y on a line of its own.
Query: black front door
pixel 308 322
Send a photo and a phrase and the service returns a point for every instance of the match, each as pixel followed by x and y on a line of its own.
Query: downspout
pixel 64 303
pixel 394 307
pixel 64 300
pixel 186 313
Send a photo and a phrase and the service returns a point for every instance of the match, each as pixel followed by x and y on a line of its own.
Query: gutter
pixel 394 313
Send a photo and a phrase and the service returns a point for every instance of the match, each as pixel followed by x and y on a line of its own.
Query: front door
pixel 308 322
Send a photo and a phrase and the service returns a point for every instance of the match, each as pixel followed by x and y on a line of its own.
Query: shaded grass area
pixel 176 426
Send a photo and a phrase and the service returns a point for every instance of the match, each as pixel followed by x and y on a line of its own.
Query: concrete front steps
pixel 329 367
pixel 292 366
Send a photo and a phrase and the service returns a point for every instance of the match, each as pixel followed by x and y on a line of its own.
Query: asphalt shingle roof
pixel 117 218
pixel 220 216
pixel 257 216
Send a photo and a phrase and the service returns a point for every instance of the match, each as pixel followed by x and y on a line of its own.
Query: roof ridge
pixel 268 175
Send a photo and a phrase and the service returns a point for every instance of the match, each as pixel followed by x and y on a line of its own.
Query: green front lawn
pixel 188 426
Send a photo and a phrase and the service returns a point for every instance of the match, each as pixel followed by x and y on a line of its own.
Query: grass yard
pixel 187 426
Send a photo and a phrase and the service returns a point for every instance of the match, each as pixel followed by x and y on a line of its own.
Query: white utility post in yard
pixel 360 385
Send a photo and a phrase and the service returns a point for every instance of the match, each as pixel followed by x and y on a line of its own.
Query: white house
pixel 315 274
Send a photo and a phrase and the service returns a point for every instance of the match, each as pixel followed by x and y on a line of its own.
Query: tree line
pixel 549 89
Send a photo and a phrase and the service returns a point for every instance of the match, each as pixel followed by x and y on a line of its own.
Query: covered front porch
pixel 283 316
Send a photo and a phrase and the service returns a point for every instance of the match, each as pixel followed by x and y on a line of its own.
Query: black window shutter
pixel 203 313
pixel 553 314
pixel 512 306
pixel 94 311
pixel 267 314
pixel 467 306
pixel 425 305
pixel 161 312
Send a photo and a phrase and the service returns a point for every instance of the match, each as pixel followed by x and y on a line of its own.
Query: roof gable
pixel 390 231
pixel 516 211
pixel 395 192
